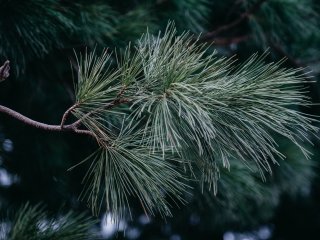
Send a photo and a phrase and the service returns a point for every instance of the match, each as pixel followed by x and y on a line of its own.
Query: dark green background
pixel 39 36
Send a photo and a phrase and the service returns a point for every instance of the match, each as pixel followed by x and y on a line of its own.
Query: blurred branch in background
pixel 35 222
pixel 209 35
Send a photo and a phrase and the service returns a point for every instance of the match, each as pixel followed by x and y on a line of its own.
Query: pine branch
pixel 185 109
pixel 185 105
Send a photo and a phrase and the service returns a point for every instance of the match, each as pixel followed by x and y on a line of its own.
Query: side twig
pixel 66 114
pixel 242 17
pixel 114 103
pixel 117 101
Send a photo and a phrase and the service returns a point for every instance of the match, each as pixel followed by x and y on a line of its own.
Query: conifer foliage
pixel 187 113
pixel 169 114
pixel 35 223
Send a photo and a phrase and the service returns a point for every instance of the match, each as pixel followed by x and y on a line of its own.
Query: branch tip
pixel 4 71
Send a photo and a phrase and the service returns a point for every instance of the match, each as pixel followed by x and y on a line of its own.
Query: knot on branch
pixel 4 71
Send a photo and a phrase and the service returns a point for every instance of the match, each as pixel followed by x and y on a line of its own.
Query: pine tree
pixel 166 119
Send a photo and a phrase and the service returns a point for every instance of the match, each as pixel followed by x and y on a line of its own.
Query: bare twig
pixel 62 127
pixel 66 114
pixel 242 17
pixel 56 128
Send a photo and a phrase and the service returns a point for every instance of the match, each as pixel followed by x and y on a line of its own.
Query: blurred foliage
pixel 35 223
pixel 39 37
